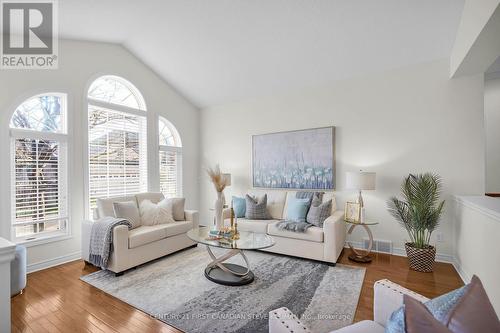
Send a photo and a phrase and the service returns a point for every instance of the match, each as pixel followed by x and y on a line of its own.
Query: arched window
pixel 117 139
pixel 39 139
pixel 170 159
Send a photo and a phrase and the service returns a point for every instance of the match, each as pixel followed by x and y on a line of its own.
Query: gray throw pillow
pixel 128 210
pixel 256 209
pixel 319 212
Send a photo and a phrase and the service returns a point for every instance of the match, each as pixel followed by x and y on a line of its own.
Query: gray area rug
pixel 174 290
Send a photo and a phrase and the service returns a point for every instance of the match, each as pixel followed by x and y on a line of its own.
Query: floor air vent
pixel 379 245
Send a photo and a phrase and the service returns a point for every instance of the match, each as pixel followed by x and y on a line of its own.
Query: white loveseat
pixel 388 297
pixel 145 243
pixel 323 244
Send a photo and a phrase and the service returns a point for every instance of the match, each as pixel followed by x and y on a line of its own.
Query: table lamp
pixel 360 181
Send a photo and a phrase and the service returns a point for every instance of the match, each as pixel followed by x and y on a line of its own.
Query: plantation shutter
pixel 170 171
pixel 39 202
pixel 117 153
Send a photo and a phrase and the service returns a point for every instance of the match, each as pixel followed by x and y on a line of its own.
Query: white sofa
pixel 145 243
pixel 388 297
pixel 323 244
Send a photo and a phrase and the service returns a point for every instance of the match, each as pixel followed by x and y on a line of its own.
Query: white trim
pixel 115 107
pixel 44 264
pixel 495 215
pixel 20 133
pixel 45 239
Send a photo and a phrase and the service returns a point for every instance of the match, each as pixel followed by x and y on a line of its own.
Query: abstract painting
pixel 302 159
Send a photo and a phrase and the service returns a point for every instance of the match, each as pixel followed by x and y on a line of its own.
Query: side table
pixel 357 255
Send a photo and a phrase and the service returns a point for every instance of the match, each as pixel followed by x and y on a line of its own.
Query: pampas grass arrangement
pixel 218 178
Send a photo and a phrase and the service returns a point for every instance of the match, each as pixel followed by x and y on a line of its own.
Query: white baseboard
pixel 53 262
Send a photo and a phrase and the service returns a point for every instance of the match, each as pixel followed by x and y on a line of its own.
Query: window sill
pixel 43 239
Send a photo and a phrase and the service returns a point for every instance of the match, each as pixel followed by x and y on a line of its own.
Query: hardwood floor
pixel 55 300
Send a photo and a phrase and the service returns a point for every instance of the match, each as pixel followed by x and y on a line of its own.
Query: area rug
pixel 174 290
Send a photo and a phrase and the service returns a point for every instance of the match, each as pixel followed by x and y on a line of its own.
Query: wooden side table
pixel 357 255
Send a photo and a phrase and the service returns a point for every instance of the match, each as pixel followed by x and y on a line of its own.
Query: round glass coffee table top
pixel 248 240
pixel 226 273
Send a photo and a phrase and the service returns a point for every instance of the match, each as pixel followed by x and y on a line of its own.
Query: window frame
pixel 88 103
pixel 176 149
pixel 64 138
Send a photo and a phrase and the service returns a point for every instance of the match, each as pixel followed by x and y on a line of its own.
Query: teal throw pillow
pixel 297 209
pixel 239 206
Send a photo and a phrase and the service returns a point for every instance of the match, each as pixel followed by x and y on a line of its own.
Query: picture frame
pixel 302 159
pixel 352 212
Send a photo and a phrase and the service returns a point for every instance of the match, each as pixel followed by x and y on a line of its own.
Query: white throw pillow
pixel 153 214
pixel 127 210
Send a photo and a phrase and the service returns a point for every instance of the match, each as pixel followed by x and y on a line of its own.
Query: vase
pixel 219 206
pixel 421 260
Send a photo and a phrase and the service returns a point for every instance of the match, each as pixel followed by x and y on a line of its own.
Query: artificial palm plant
pixel 419 213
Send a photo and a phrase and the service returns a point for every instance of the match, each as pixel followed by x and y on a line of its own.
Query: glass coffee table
pixel 230 274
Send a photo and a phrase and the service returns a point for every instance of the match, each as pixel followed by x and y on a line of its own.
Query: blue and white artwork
pixel 301 159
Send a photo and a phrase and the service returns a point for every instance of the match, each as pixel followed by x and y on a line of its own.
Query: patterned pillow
pixel 319 212
pixel 256 209
pixel 439 307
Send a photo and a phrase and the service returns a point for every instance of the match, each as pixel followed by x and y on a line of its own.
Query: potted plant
pixel 419 213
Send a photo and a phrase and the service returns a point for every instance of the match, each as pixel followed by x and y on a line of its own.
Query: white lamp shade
pixel 227 176
pixel 360 180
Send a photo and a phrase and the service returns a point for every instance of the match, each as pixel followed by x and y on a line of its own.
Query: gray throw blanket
pixel 293 226
pixel 101 239
pixel 300 226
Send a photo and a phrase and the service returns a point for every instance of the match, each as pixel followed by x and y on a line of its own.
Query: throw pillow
pixel 418 319
pixel 239 206
pixel 128 210
pixel 297 209
pixel 153 214
pixel 319 212
pixel 178 208
pixel 463 310
pixel 474 312
pixel 256 209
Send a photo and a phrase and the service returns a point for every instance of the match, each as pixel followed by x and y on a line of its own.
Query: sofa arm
pixel 282 320
pixel 388 297
pixel 334 230
pixel 119 255
pixel 193 216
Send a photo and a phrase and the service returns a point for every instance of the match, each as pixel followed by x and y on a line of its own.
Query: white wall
pixel 492 125
pixel 79 63
pixel 477 44
pixel 413 119
pixel 476 235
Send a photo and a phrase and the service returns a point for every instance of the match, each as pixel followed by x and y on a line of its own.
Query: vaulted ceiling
pixel 218 51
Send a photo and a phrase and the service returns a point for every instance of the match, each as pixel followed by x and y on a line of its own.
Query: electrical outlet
pixel 440 237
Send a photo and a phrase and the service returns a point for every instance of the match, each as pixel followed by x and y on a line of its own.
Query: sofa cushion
pixel 105 205
pixel 154 197
pixel 146 234
pixel 297 209
pixel 258 226
pixel 313 234
pixel 178 227
pixel 319 212
pixel 275 201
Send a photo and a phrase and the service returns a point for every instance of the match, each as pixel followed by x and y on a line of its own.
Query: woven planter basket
pixel 421 260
